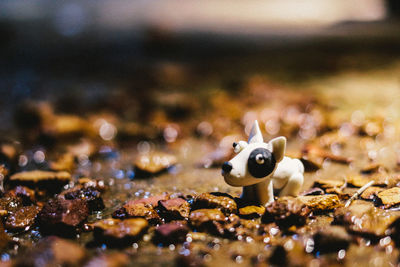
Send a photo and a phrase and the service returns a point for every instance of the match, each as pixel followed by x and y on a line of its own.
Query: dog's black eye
pixel 234 144
pixel 261 162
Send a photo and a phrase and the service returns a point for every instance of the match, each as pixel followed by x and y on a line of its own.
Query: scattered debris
pixel 359 191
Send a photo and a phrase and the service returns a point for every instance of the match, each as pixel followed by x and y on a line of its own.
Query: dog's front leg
pixel 259 194
pixel 265 192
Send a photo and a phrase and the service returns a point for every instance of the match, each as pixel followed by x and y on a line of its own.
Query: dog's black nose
pixel 227 166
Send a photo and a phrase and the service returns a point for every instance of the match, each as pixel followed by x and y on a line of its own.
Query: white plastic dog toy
pixel 260 167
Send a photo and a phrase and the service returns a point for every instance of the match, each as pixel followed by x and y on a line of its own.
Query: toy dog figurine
pixel 260 167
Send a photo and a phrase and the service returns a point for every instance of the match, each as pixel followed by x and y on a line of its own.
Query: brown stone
pixel 37 176
pixel 311 163
pixel 371 192
pixel 137 210
pixel 144 207
pixel 343 194
pixel 314 191
pixel 22 219
pixel 357 180
pixel 62 217
pixel 210 220
pixel 152 164
pixel 26 194
pixel 321 203
pixel 51 181
pixel 117 232
pixel 170 233
pixel 389 197
pixel 10 204
pixel 363 218
pixel 152 201
pixel 91 196
pixel 221 201
pixel 372 168
pixel 311 150
pixel 328 183
pixel 173 209
pixel 251 212
pixel 384 179
pixel 285 212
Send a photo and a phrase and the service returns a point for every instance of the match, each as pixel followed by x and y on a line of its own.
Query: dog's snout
pixel 227 166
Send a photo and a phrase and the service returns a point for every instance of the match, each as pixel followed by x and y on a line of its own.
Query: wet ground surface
pixel 345 125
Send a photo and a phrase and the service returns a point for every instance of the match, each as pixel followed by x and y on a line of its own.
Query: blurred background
pixel 164 64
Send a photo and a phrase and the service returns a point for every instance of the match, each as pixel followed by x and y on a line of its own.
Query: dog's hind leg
pixel 293 185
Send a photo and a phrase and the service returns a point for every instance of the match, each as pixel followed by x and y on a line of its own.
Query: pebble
pixel 51 181
pixel 115 232
pixel 61 216
pixel 221 201
pixel 321 203
pixel 147 165
pixel 170 233
pixel 22 219
pixel 173 209
pixel 285 212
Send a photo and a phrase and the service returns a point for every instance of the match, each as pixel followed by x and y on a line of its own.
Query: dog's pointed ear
pixel 278 147
pixel 255 134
